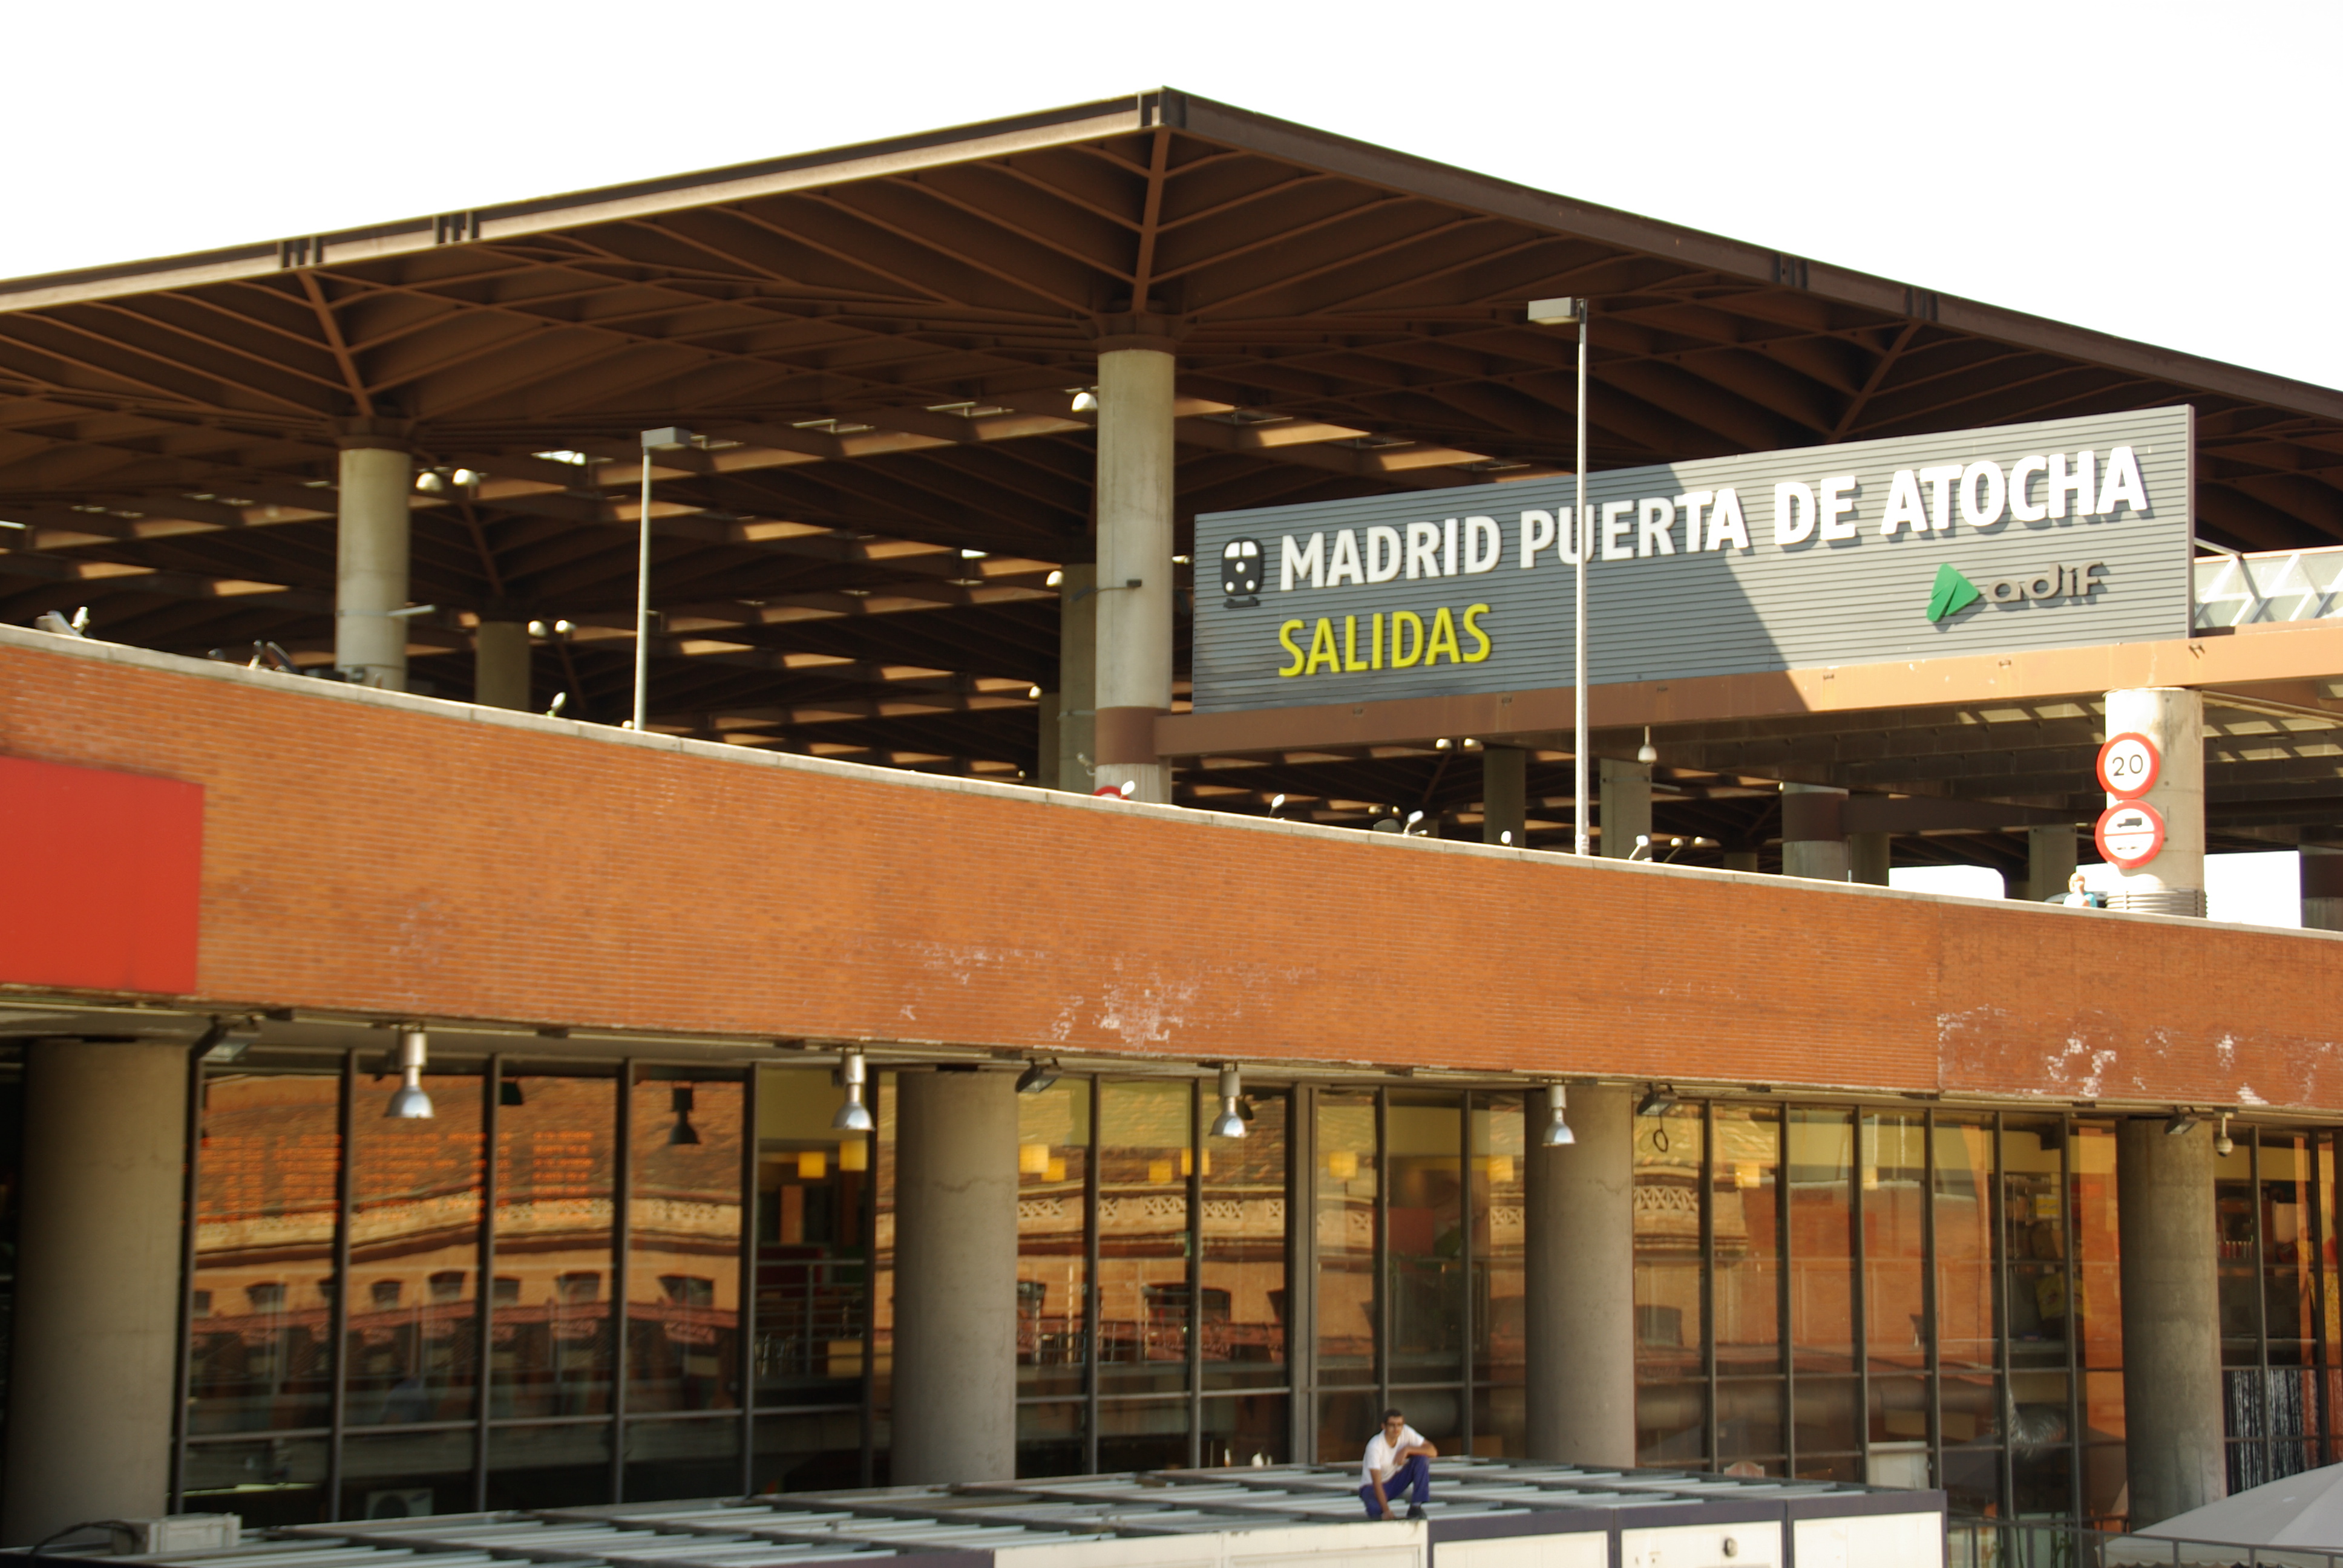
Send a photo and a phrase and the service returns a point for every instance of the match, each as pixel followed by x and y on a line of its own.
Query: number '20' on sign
pixel 2128 765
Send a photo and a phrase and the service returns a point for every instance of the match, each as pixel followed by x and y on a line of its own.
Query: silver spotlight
pixel 407 1102
pixel 1557 1134
pixel 853 1116
pixel 1231 1122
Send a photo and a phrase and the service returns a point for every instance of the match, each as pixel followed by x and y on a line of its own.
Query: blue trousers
pixel 1413 1477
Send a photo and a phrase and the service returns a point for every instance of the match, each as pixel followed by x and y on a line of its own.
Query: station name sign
pixel 2068 533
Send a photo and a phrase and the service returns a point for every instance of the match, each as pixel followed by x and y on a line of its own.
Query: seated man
pixel 1398 1459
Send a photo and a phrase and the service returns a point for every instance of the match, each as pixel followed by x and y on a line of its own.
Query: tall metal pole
pixel 643 597
pixel 1586 833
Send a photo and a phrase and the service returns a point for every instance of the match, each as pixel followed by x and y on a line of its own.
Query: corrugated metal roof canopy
pixel 881 341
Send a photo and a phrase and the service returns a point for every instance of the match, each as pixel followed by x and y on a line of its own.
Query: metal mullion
pixel 1091 1328
pixel 2317 1144
pixel 872 1093
pixel 1932 1339
pixel 1707 1191
pixel 744 1354
pixel 2003 1398
pixel 1195 1273
pixel 484 1318
pixel 2261 1298
pixel 339 1311
pixel 1783 1261
pixel 1382 1248
pixel 190 1195
pixel 621 1242
pixel 1301 1269
pixel 2069 1195
pixel 1464 1188
pixel 1859 1297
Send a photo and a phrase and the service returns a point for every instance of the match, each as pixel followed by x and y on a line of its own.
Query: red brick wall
pixel 402 856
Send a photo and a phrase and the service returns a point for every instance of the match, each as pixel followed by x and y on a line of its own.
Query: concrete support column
pixel 2171 1319
pixel 2322 888
pixel 1504 794
pixel 955 1277
pixel 1134 567
pixel 1076 706
pixel 2173 717
pixel 97 1286
pixel 1579 1303
pixel 2049 863
pixel 500 665
pixel 1624 797
pixel 370 569
pixel 1740 859
pixel 1867 857
pixel 1814 842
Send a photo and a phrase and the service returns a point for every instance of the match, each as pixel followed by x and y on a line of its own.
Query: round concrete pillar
pixel 2168 1235
pixel 1625 795
pixel 955 1416
pixel 1134 567
pixel 1579 1274
pixel 97 1286
pixel 2049 863
pixel 500 665
pixel 2173 718
pixel 1504 794
pixel 1868 857
pixel 371 567
pixel 1740 859
pixel 2322 888
pixel 1814 842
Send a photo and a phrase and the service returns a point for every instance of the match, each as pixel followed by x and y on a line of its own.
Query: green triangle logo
pixel 1953 594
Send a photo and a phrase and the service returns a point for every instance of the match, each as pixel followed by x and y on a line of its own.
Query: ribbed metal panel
pixel 1661 615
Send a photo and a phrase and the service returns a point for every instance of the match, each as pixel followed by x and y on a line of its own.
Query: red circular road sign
pixel 2129 765
pixel 2130 834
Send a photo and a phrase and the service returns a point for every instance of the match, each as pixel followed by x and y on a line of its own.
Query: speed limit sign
pixel 2130 834
pixel 2128 765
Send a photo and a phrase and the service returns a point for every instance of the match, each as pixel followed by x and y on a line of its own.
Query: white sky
pixel 2261 888
pixel 2146 169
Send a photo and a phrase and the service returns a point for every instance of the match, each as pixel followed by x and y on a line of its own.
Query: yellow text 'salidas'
pixel 1413 641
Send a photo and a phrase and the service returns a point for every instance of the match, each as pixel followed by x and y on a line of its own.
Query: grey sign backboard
pixel 2064 533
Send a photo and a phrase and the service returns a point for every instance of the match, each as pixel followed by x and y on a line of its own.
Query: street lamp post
pixel 669 438
pixel 1565 313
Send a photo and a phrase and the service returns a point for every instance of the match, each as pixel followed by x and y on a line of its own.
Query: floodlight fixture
pixel 1564 312
pixel 2180 1122
pixel 1657 1101
pixel 407 1102
pixel 1231 1122
pixel 1557 1134
pixel 1086 401
pixel 853 1116
pixel 1037 1076
pixel 1648 753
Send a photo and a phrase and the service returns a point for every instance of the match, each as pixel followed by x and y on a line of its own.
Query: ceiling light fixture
pixel 1656 1101
pixel 2224 1145
pixel 1086 401
pixel 407 1102
pixel 1037 1076
pixel 1231 1122
pixel 853 1116
pixel 1557 1134
pixel 1648 753
pixel 2181 1120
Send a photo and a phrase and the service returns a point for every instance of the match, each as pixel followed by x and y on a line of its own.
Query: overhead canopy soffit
pixel 879 343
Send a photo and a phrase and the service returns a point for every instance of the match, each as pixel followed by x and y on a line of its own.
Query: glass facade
pixel 653 1281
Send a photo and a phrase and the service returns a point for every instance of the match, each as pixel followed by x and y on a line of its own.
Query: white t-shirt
pixel 1379 1462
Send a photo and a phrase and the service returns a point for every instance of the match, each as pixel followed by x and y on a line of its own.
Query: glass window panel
pixel 1144 1158
pixel 2040 1442
pixel 1499 1343
pixel 1671 1424
pixel 415 1254
pixel 1249 1429
pixel 1049 1435
pixel 808 1450
pixel 1828 1420
pixel 1965 1252
pixel 1970 1469
pixel 2106 1486
pixel 1500 1422
pixel 1821 1175
pixel 1143 1433
pixel 2330 1328
pixel 269 1482
pixel 565 1465
pixel 683 1241
pixel 1243 1225
pixel 408 1474
pixel 883 1255
pixel 2098 1267
pixel 1668 1321
pixel 2289 1262
pixel 1893 1172
pixel 1900 1409
pixel 1745 1209
pixel 1346 1237
pixel 2032 1163
pixel 1053 1153
pixel 1346 1422
pixel 1749 1419
pixel 549 1352
pixel 260 1347
pixel 694 1457
pixel 1424 1166
pixel 813 1256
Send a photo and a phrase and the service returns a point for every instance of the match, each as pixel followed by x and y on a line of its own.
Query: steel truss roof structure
pixel 880 344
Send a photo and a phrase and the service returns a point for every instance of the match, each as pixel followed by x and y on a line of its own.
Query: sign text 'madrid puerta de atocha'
pixel 2056 535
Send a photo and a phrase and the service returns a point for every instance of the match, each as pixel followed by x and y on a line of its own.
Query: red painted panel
pixel 100 877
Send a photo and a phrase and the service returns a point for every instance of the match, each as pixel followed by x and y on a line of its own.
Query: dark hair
pixel 1393 1415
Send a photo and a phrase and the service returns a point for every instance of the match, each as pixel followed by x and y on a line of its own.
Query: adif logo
pixel 1953 593
pixel 1240 573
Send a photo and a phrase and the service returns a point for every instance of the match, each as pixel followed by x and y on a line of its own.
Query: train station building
pixel 1055 937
